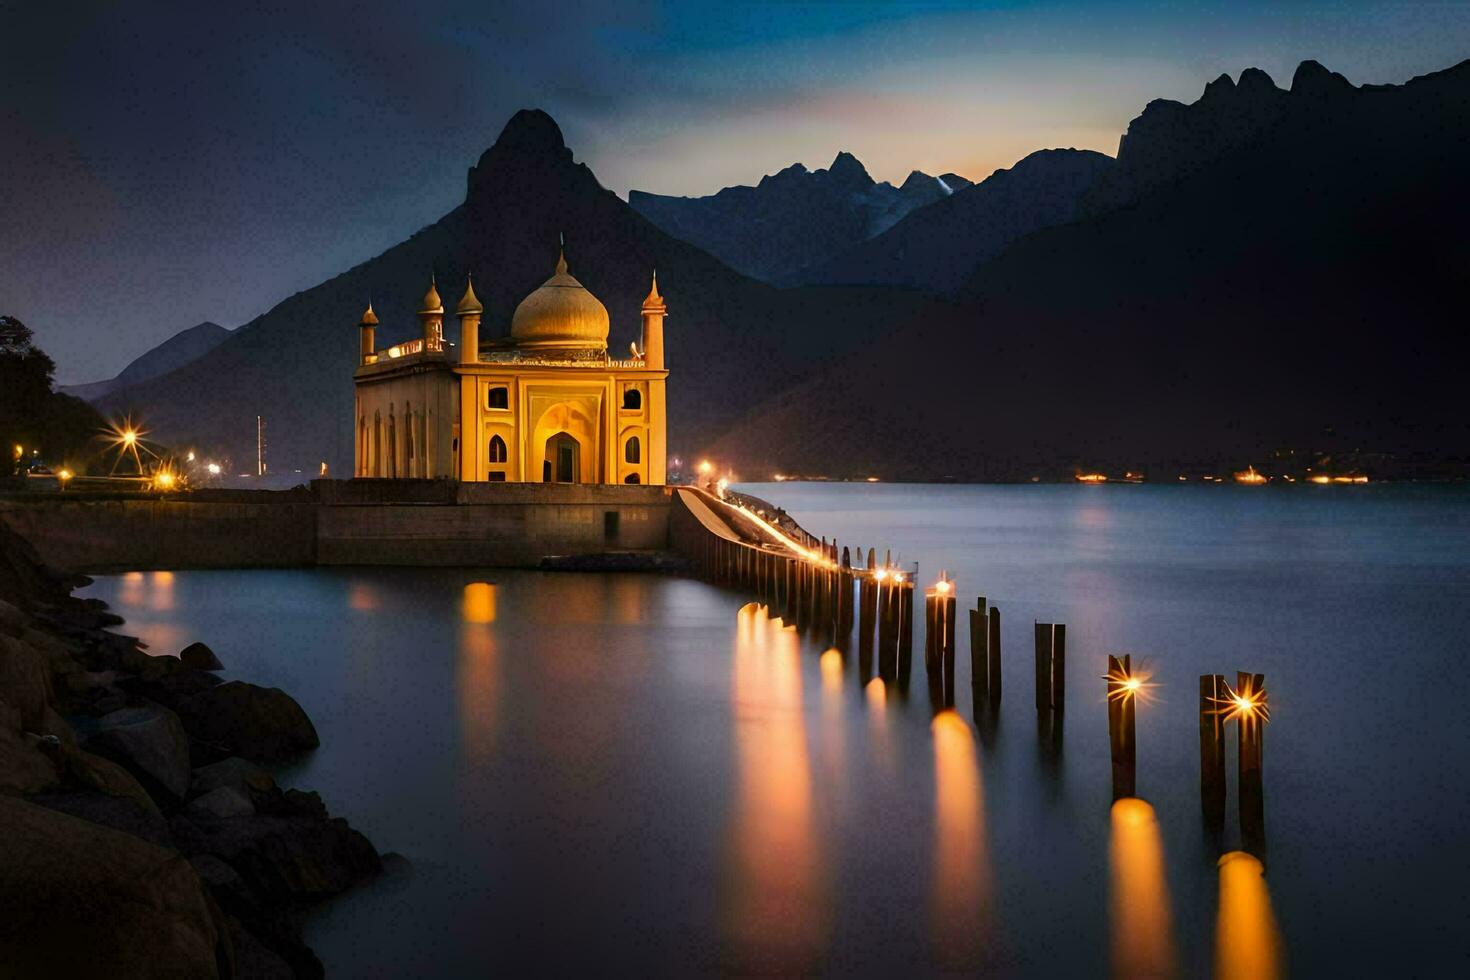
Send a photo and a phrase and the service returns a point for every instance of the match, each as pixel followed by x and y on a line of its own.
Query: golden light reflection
pixel 832 672
pixel 775 903
pixel 361 597
pixel 961 899
pixel 477 688
pixel 479 602
pixel 132 593
pixel 1142 924
pixel 1247 942
pixel 161 591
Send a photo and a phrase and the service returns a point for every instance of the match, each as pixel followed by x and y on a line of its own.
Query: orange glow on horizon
pixel 1250 476
pixel 1091 478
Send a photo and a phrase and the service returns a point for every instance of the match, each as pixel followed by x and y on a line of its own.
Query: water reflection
pixel 161 591
pixel 477 689
pixel 961 899
pixel 775 896
pixel 1247 944
pixel 1143 936
pixel 479 602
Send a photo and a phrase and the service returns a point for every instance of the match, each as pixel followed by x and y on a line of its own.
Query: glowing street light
pixel 63 477
pixel 213 469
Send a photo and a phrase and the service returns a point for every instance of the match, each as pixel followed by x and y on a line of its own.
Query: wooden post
pixel 1212 750
pixel 867 609
pixel 844 602
pixel 992 650
pixel 905 630
pixel 788 591
pixel 887 628
pixel 1043 666
pixel 933 638
pixel 1122 739
pixel 1251 729
pixel 947 605
pixel 1058 667
pixel 979 661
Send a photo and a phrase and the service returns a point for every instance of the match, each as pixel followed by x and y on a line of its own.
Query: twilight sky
pixel 167 163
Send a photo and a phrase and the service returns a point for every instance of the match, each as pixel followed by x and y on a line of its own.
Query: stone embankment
pixel 140 832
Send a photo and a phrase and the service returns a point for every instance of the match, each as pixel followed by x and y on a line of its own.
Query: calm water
pixel 600 772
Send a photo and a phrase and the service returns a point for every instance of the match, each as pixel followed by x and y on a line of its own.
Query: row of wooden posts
pixel 815 593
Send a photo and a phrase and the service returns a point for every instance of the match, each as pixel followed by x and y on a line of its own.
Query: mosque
pixel 546 404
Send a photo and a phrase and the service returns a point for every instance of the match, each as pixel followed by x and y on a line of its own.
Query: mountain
pixel 185 346
pixel 1299 286
pixel 731 341
pixel 937 246
pixel 794 217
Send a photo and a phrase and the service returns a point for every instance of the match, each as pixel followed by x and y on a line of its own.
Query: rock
pixel 118 812
pixel 255 960
pixel 150 742
pixel 85 900
pixel 85 770
pixel 169 686
pixel 13 622
pixel 284 858
pixel 236 773
pixel 200 657
pixel 24 767
pixel 24 681
pixel 262 724
pixel 220 803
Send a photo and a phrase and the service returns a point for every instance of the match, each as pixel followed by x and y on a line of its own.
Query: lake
pixel 636 773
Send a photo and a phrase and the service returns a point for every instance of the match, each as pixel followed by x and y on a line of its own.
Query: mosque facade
pixel 546 404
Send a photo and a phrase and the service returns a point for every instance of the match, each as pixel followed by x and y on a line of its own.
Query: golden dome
pixel 560 313
pixel 432 303
pixel 469 303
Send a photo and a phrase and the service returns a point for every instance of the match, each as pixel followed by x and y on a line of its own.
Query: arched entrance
pixel 563 459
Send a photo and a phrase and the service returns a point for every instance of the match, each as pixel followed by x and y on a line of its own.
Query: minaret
pixel 369 321
pixel 432 315
pixel 653 327
pixel 469 312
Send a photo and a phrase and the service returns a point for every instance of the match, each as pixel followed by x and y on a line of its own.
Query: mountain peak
pixel 530 137
pixel 846 167
pixel 1312 79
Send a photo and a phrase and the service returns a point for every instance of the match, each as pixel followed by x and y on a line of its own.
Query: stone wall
pixel 339 522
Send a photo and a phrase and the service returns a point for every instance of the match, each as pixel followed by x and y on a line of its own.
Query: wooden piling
pixel 1043 666
pixel 979 661
pixel 867 609
pixel 905 631
pixel 992 650
pixel 1251 729
pixel 1058 666
pixel 933 667
pixel 1122 738
pixel 1212 749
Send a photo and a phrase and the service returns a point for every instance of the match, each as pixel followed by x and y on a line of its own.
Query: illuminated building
pixel 546 404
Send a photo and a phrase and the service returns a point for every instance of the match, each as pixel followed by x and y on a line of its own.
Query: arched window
pixel 632 399
pixel 498 397
pixel 632 478
pixel 632 451
pixel 497 449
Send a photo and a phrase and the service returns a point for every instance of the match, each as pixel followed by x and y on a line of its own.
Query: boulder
pixel 150 742
pixel 262 724
pixel 236 773
pixel 85 900
pixel 200 657
pixel 24 681
pixel 24 767
pixel 140 819
pixel 88 771
pixel 220 803
pixel 283 858
pixel 13 622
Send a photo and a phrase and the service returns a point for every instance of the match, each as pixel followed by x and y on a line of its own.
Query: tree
pixel 33 415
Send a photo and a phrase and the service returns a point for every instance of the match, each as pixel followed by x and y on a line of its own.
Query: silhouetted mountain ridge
pixel 793 217
pixel 937 246
pixel 1289 269
pixel 185 346
pixel 731 341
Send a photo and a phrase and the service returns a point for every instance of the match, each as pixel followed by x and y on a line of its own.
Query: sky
pixel 167 163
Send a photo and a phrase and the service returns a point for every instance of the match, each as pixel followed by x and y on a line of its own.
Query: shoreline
pixel 145 830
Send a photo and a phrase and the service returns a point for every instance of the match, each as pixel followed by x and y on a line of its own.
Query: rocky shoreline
pixel 143 835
